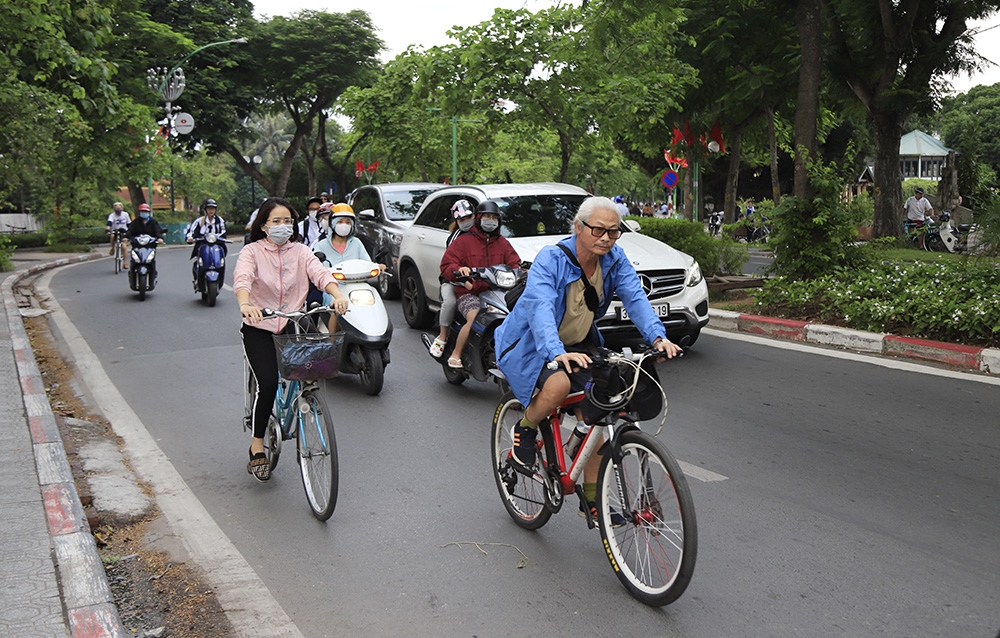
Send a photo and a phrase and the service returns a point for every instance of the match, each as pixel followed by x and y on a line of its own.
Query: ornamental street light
pixel 255 161
pixel 169 83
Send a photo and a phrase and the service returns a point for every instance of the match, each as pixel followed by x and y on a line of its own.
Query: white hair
pixel 590 206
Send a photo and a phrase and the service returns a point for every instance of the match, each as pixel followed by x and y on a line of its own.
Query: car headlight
pixel 694 276
pixel 506 279
pixel 362 298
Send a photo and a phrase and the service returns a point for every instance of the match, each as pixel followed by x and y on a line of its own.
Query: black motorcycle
pixel 479 356
pixel 142 265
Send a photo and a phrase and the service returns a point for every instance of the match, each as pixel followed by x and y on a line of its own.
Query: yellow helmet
pixel 342 210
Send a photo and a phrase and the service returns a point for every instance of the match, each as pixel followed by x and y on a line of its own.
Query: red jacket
pixel 476 249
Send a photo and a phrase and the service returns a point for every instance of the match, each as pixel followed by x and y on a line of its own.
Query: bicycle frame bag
pixel 308 356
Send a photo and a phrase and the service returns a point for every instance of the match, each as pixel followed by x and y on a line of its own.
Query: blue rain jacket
pixel 529 337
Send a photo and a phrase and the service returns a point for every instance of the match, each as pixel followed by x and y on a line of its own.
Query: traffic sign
pixel 184 123
pixel 669 179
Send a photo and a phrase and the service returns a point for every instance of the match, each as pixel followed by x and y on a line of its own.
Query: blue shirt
pixel 529 337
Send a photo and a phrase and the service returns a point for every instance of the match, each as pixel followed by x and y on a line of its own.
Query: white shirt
pixel 119 221
pixel 916 209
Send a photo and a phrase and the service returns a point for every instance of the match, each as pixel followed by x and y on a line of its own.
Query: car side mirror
pixel 632 225
pixel 368 212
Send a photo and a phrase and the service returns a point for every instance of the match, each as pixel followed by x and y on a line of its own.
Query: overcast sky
pixel 401 23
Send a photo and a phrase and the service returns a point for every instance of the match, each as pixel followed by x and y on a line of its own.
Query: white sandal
pixel 437 348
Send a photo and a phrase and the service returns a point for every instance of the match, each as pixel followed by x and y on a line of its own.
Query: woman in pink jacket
pixel 273 271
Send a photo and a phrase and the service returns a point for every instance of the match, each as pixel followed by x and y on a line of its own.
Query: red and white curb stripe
pixel 955 355
pixel 87 598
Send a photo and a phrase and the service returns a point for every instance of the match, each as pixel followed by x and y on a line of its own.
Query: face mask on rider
pixel 280 234
pixel 144 215
pixel 343 229
pixel 466 225
pixel 312 214
pixel 324 224
pixel 489 225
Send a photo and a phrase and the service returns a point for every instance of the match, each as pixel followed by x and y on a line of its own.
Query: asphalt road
pixel 853 500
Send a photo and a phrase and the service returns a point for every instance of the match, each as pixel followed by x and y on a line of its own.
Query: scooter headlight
pixel 339 276
pixel 135 256
pixel 362 298
pixel 506 279
pixel 694 276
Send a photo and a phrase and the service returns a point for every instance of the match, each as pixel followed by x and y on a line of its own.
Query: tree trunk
pixel 888 187
pixel 772 139
pixel 688 207
pixel 565 153
pixel 808 23
pixel 136 195
pixel 733 174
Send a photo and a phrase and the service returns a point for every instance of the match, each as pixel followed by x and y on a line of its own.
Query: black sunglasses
pixel 598 231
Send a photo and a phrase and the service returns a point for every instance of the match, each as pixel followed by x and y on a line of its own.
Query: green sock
pixel 525 423
pixel 590 492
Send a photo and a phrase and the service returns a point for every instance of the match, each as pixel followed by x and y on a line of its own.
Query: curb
pixel 86 595
pixel 969 358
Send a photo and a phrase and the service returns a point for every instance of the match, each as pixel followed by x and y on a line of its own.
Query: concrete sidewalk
pixel 54 582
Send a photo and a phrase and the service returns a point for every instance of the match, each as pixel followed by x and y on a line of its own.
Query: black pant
pixel 258 345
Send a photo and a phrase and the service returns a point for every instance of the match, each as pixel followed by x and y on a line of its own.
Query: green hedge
pixel 715 255
pixel 41 239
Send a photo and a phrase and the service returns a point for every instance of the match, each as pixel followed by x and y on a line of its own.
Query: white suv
pixel 537 215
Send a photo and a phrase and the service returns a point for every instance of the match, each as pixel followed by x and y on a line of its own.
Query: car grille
pixel 661 283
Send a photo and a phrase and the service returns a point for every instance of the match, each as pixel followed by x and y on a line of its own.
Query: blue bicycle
pixel 305 360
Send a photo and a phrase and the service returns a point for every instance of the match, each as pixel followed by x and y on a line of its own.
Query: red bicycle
pixel 644 508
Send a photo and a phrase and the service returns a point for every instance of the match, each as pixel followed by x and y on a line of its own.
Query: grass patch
pixel 67 248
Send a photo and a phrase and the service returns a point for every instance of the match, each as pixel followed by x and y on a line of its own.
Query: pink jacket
pixel 278 278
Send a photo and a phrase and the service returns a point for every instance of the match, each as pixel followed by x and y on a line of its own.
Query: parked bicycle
pixel 305 359
pixel 644 508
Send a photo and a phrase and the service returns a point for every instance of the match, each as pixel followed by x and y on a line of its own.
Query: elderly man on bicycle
pixel 569 286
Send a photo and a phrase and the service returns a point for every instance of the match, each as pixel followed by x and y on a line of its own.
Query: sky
pixel 401 23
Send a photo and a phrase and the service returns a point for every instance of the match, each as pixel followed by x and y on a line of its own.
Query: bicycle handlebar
pixel 298 314
pixel 607 357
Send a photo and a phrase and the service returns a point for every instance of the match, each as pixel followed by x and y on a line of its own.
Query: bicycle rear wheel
pixel 523 497
pixel 318 455
pixel 654 552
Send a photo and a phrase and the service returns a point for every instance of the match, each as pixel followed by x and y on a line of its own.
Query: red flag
pixel 716 135
pixel 678 138
pixel 373 167
pixel 359 168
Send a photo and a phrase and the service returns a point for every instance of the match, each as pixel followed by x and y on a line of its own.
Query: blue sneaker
pixel 523 452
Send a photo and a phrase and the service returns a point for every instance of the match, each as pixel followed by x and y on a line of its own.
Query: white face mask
pixel 466 226
pixel 324 224
pixel 280 234
pixel 343 229
pixel 489 225
pixel 312 214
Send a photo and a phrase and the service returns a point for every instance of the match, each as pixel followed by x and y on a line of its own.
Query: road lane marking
pixel 248 604
pixel 700 473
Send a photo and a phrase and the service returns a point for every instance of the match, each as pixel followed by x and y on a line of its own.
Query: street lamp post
pixel 169 84
pixel 454 142
pixel 255 160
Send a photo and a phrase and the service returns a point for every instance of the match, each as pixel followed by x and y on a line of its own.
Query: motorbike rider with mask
pixel 480 247
pixel 273 271
pixel 464 221
pixel 341 245
pixel 309 229
pixel 210 222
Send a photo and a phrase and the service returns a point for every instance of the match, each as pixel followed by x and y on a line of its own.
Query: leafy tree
pixel 890 54
pixel 521 65
pixel 307 61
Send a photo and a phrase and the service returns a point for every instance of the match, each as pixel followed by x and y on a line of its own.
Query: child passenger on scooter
pixel 482 246
pixel 340 245
pixel 464 221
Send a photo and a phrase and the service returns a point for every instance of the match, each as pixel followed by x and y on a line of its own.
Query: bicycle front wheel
pixel 118 255
pixel 318 455
pixel 523 496
pixel 653 552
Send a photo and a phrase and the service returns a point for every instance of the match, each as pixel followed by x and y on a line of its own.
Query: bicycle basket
pixel 309 356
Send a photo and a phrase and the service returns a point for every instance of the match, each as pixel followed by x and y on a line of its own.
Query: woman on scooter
pixel 464 221
pixel 273 272
pixel 341 245
pixel 482 246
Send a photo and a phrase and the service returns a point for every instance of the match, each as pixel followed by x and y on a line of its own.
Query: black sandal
pixel 259 466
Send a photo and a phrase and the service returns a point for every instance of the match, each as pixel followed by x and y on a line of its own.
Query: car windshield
pixel 403 205
pixel 534 215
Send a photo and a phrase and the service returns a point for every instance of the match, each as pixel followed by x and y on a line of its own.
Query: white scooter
pixel 366 326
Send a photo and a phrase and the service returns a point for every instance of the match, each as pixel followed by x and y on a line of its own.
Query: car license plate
pixel 661 309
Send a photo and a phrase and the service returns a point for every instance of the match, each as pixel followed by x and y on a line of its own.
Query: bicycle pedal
pixel 521 469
